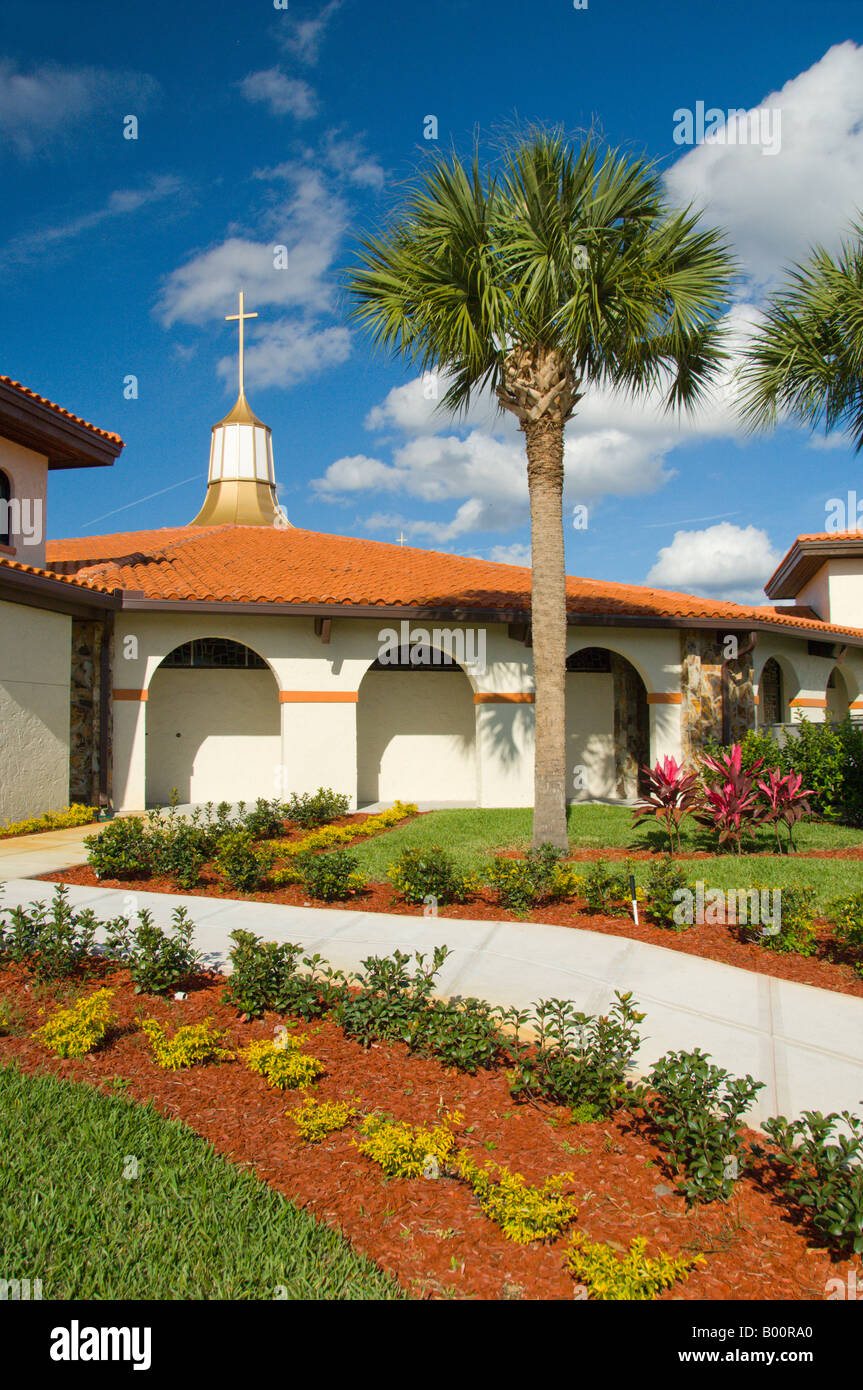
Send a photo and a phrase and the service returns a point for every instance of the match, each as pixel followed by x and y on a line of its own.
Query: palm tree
pixel 564 268
pixel 806 358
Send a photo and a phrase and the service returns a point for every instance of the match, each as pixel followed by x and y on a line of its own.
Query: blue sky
pixel 260 127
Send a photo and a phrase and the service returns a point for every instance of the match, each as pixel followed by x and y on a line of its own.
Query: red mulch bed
pixel 431 1235
pixel 827 969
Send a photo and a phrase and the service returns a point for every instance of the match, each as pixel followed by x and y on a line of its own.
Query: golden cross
pixel 231 318
pixel 402 539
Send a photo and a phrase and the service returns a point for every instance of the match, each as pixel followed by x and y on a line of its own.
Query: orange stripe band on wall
pixel 664 697
pixel 804 702
pixel 318 697
pixel 856 704
pixel 484 697
pixel 140 695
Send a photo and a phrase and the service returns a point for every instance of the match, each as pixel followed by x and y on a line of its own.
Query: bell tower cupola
pixel 241 485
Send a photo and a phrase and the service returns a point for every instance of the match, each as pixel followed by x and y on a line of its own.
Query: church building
pixel 241 656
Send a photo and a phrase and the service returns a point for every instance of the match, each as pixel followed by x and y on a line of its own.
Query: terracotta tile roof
pixel 78 581
pixel 52 405
pixel 254 564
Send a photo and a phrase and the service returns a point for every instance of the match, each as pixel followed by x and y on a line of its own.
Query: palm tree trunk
pixel 548 619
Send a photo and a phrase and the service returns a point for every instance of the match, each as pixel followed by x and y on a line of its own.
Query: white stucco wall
pixel 416 737
pixel 28 476
pixel 214 735
pixel 413 742
pixel 35 657
pixel 590 734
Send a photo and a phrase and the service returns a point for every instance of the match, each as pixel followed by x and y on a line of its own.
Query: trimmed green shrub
pixel 242 863
pixel 316 808
pixel 819 1163
pixel 664 879
pixel 121 850
pixel 158 961
pixel 265 975
pixel 422 873
pixel 329 877
pixel 521 883
pixel 52 940
pixel 796 933
pixel 697 1110
pixel 605 891
pixel 846 914
pixel 578 1059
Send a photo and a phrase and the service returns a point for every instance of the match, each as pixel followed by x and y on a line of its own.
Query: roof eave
pixel 135 600
pixel 63 441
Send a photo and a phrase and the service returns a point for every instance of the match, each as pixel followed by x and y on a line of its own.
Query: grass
pixel 473 835
pixel 190 1226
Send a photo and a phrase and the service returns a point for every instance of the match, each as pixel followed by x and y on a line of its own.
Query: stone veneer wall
pixel 85 711
pixel 701 688
pixel 631 726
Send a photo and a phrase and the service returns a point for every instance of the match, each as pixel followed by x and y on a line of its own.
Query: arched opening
pixel 771 695
pixel 607 726
pixel 838 699
pixel 5 499
pixel 416 730
pixel 213 724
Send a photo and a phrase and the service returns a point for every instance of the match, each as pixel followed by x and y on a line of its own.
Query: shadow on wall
pixel 416 735
pixel 214 734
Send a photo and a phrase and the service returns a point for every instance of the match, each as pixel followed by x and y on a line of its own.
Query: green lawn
pixel 471 836
pixel 191 1225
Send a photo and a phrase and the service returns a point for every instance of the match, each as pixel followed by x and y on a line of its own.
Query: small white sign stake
pixel 634 899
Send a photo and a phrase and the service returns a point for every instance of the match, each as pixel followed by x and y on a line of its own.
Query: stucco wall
pixel 214 735
pixel 323 742
pixel 28 475
pixel 590 735
pixel 416 737
pixel 34 710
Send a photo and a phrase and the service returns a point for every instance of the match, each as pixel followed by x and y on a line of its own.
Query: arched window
pixel 5 499
pixel 215 653
pixel 771 703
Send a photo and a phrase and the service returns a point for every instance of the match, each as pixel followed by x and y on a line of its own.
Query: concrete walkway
pixel 45 853
pixel 805 1044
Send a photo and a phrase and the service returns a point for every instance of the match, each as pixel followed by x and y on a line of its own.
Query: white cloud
pixel 310 223
pixel 41 109
pixel 285 352
pixel 304 36
pixel 283 95
pixel 120 203
pixel 515 554
pixel 346 157
pixel 723 561
pixel 775 207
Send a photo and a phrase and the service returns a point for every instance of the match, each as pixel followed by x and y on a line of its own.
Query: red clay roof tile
pixel 52 405
pixel 255 564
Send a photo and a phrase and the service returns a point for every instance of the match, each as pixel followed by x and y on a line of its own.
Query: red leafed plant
pixel 671 793
pixel 731 805
pixel 785 802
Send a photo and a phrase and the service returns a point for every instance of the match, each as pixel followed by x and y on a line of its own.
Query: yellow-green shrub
pixel 51 820
pixel 328 835
pixel 523 1213
pixel 284 1067
pixel 75 1031
pixel 635 1275
pixel 315 1119
pixel 191 1046
pixel 402 1150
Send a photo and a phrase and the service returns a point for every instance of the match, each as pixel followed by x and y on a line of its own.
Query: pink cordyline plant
pixel 786 802
pixel 731 806
pixel 671 794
